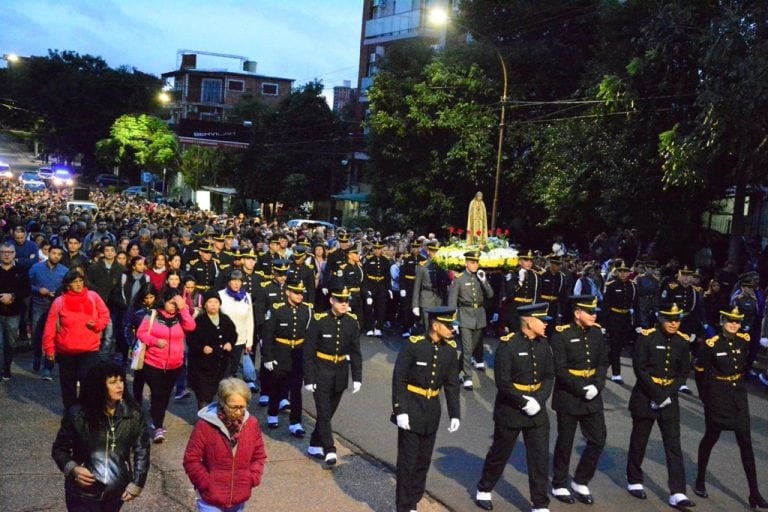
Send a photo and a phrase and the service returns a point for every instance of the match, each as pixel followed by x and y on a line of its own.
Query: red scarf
pixel 78 302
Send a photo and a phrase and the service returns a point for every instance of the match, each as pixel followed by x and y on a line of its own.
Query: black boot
pixel 757 501
pixel 700 489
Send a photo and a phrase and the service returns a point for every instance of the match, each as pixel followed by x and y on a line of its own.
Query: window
pixel 269 89
pixel 236 85
pixel 211 91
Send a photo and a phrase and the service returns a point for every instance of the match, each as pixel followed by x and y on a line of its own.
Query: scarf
pixel 238 296
pixel 234 427
pixel 78 302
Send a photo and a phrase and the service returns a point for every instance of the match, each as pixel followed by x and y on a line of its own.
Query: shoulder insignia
pixel 309 264
pixel 352 315
pixel 698 288
pixel 609 283
pixel 711 341
pixel 193 262
pixel 263 253
pixel 459 275
pixel 647 332
pixel 278 305
pixel 684 336
pixel 331 251
pixel 308 304
pixel 320 316
pixel 264 284
pixel 416 339
pixel 672 286
pixel 597 325
pixel 451 343
pixel 743 335
pixel 561 328
pixel 223 266
pixel 507 337
pixel 424 263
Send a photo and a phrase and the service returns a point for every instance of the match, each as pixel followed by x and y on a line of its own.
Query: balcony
pixel 397 26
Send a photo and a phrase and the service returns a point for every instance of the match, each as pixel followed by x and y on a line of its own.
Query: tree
pixel 139 142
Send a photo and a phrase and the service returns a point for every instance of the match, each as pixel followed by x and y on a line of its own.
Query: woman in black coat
pixel 210 346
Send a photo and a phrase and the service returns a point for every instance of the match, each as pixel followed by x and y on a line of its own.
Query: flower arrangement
pixel 495 255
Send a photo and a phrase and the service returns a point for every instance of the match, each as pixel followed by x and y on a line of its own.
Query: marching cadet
pixel 620 301
pixel 424 366
pixel 581 362
pixel 282 349
pixel 303 269
pixel 468 294
pixel 376 289
pixel 662 361
pixel 407 279
pixel 251 283
pixel 228 255
pixel 204 269
pixel 267 294
pixel 520 288
pixel 553 291
pixel 524 377
pixel 430 285
pixel 273 253
pixel 331 351
pixel 351 276
pixel 336 258
pixel 724 362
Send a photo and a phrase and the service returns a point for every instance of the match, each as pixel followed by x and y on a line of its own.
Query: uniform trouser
pixel 670 436
pixel 9 330
pixel 404 313
pixel 593 429
pixel 288 383
pixel 470 338
pixel 376 313
pixel 414 454
pixel 619 335
pixel 74 368
pixel 536 453
pixel 553 311
pixel 160 384
pixel 326 403
pixel 743 439
pixel 357 309
pixel 512 317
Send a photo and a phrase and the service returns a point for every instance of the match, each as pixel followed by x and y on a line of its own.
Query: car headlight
pixel 70 183
pixel 57 181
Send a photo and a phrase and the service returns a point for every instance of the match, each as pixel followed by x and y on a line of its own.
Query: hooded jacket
pixel 172 329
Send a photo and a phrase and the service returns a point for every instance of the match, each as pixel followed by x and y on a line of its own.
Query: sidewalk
pixel 30 412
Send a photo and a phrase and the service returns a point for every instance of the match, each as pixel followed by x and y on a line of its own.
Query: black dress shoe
pixel 639 494
pixel 700 490
pixel 565 498
pixel 586 499
pixel 757 502
pixel 484 504
pixel 683 504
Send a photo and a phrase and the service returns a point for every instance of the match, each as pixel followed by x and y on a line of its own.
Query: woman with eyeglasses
pixel 722 364
pixel 225 455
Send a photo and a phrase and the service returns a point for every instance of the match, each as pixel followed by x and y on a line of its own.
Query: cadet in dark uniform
pixel 424 365
pixel 203 269
pixel 376 289
pixel 553 291
pixel 468 294
pixel 407 279
pixel 282 349
pixel 336 258
pixel 520 288
pixel 524 377
pixel 430 286
pixel 620 301
pixel 303 269
pixel 581 362
pixel 662 361
pixel 267 294
pixel 351 276
pixel 264 263
pixel 331 350
pixel 724 363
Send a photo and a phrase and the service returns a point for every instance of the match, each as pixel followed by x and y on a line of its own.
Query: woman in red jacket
pixel 163 332
pixel 72 333
pixel 225 454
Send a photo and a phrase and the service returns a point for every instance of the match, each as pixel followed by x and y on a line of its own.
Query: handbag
pixel 140 349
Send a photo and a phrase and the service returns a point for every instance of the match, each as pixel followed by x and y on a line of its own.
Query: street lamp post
pixel 440 17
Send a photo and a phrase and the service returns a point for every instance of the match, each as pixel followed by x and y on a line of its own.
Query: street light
pixel 440 17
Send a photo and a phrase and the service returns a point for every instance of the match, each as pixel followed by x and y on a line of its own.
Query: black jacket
pixel 338 337
pixel 115 463
pixel 206 370
pixel 574 348
pixel 285 322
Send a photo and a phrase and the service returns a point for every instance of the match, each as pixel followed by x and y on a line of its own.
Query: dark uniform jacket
pixel 524 362
pixel 430 285
pixel 428 366
pixel 552 289
pixel 337 338
pixel 408 272
pixel 305 272
pixel 285 331
pixel 577 350
pixel 468 295
pixel 352 277
pixel 267 294
pixel 620 302
pixel 526 292
pixel 205 274
pixel 336 258
pixel 376 269
pixel 687 298
pixel 662 364
pixel 723 361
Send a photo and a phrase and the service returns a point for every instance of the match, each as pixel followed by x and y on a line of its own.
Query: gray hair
pixel 233 386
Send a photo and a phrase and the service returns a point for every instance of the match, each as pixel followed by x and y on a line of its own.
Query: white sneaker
pixel 272 421
pixel 263 400
pixel 316 452
pixel 377 332
pixel 370 333
pixel 480 367
pixel 296 430
pixel 540 510
pixel 284 404
pixel 330 460
pixel 468 384
pixel 617 379
pixel 680 499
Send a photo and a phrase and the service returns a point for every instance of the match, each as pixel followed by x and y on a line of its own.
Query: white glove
pixel 402 293
pixel 454 425
pixel 369 301
pixel 356 386
pixel 591 391
pixel 417 311
pixel 270 365
pixel 390 294
pixel 654 406
pixel 481 275
pixel 521 276
pixel 764 342
pixel 602 330
pixel 665 403
pixel 310 387
pixel 692 338
pixel 402 422
pixel 325 291
pixel 532 407
pixel 638 330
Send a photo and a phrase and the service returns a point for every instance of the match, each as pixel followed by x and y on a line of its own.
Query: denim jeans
pixel 202 506
pixel 107 348
pixel 9 330
pixel 39 316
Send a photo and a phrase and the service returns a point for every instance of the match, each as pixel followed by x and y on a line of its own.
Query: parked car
pixel 35 185
pixel 82 206
pixel 5 171
pixel 139 191
pixel 62 178
pixel 310 223
pixel 109 180
pixel 45 173
pixel 28 176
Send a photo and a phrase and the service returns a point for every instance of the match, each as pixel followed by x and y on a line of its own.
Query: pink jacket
pixel 172 329
pixel 65 329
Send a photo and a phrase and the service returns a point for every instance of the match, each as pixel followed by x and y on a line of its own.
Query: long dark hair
pixel 145 289
pixel 93 392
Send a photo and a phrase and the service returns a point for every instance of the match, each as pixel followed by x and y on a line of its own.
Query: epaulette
pixel 262 253
pixel 352 315
pixel 331 251
pixel 227 265
pixel 192 262
pixel 424 263
pixel 561 328
pixel 278 305
pixel 320 316
pixel 416 339
pixel 597 325
pixel 684 336
pixel 309 264
pixel 450 342
pixel 309 304
pixel 507 337
pixel 672 286
pixel 343 266
pixel 697 288
pixel 647 332
pixel 743 335
pixel 711 341
pixel 264 284
pixel 610 282
pixel 458 275
pixel 229 253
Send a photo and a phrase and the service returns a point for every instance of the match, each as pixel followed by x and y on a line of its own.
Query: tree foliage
pixel 139 142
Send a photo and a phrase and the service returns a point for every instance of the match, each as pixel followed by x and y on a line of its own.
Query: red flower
pixel 479 232
pixel 460 231
pixel 451 230
pixel 498 231
pixel 506 232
